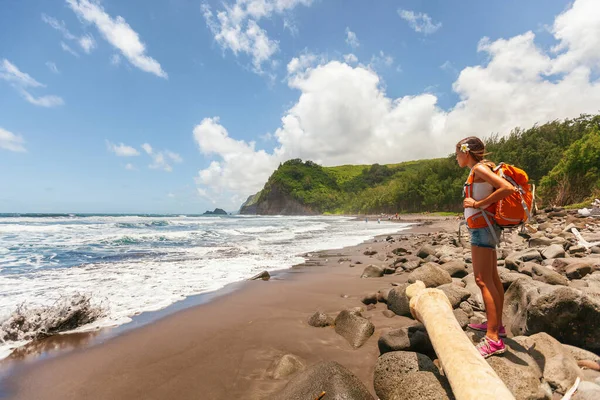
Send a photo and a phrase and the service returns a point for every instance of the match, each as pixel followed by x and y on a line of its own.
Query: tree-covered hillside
pixel 561 157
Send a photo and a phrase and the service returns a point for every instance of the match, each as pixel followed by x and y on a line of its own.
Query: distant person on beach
pixel 479 204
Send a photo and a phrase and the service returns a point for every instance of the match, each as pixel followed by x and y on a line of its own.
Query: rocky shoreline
pixel 551 313
pixel 340 324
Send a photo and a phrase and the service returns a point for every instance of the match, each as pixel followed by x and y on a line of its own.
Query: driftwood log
pixel 470 376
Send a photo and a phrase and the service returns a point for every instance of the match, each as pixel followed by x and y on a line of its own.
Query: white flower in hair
pixel 464 147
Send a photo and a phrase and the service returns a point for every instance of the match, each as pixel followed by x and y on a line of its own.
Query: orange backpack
pixel 513 210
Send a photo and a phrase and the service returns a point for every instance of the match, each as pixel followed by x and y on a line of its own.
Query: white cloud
pixel 419 22
pixel 59 26
pixel 236 27
pixel 43 101
pixel 174 156
pixel 21 80
pixel 171 195
pixel 118 33
pixel 344 116
pixel 87 43
pixel 130 167
pixel 10 73
pixel 160 159
pixel 350 58
pixel 69 50
pixel 351 39
pixel 302 62
pixel 381 59
pixel 52 67
pixel 147 148
pixel 11 142
pixel 122 150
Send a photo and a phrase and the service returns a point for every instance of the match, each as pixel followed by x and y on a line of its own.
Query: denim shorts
pixel 482 237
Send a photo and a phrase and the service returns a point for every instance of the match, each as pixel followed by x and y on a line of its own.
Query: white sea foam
pixel 131 265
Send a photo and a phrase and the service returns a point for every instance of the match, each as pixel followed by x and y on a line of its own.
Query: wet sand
pixel 222 349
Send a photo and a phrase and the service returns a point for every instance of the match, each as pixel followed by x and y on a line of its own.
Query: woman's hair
pixel 476 148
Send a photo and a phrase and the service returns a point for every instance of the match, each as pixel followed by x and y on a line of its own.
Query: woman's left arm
pixel 502 186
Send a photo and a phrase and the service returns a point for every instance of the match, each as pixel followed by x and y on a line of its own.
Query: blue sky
pixel 212 87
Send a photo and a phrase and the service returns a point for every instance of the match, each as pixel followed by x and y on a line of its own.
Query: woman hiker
pixel 483 189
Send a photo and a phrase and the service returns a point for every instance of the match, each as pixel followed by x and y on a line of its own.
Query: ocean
pixel 129 264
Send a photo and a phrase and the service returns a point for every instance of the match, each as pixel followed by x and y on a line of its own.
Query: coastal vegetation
pixel 562 159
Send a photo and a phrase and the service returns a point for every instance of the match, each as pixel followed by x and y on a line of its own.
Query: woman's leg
pixel 483 269
pixel 499 287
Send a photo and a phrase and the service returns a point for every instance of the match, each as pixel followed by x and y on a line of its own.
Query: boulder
pixel 370 299
pixel 319 320
pixel 467 308
pixel 422 386
pixel 514 259
pixel 329 377
pixel 389 313
pixel 456 268
pixel 476 299
pixel 461 317
pixel 563 312
pixel 455 293
pixel 581 354
pixel 431 275
pixel 553 251
pixel 410 265
pixel 284 366
pixel 372 271
pixel 558 366
pixel 587 391
pixel 263 275
pixel 394 367
pixel 578 270
pixel 356 329
pixel 408 338
pixel 508 277
pixel 526 268
pixel 397 300
pixel 547 275
pixel 520 372
pixel 382 295
pixel 545 241
pixel 425 251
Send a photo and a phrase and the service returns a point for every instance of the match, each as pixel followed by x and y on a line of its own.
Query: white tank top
pixel 480 191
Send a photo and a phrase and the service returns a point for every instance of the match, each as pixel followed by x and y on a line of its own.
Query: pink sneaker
pixel 483 328
pixel 487 347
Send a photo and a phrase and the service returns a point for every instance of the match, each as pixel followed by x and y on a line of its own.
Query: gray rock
pixel 397 300
pixel 545 225
pixel 581 354
pixel 546 275
pixel 476 299
pixel 456 268
pixel 545 241
pixel 372 271
pixel 526 268
pixel 382 295
pixel 329 377
pixel 558 366
pixel 461 317
pixel 557 214
pixel 455 293
pixel 392 368
pixel 553 251
pixel 577 249
pixel 578 270
pixel 514 259
pixel 519 372
pixel 410 265
pixel 319 320
pixel 263 275
pixel 431 275
pixel 425 251
pixel 422 386
pixel 284 366
pixel 467 308
pixel 354 327
pixel 563 312
pixel 508 277
pixel 587 391
pixel 389 313
pixel 408 338
pixel 370 299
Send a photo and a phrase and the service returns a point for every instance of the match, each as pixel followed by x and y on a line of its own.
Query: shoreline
pixel 42 367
